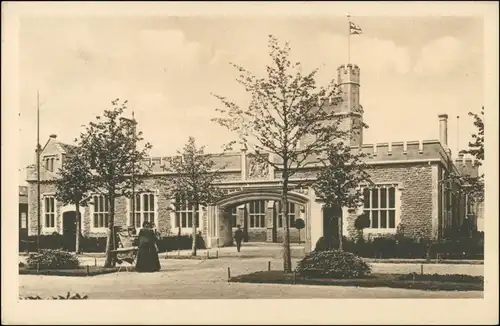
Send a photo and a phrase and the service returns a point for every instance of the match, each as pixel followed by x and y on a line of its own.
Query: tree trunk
pixel 110 243
pixel 78 229
pixel 340 231
pixel 179 238
pixel 287 259
pixel 193 247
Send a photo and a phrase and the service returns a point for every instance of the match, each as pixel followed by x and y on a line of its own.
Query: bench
pixel 126 251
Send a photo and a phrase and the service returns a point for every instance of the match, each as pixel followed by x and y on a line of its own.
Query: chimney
pixel 53 136
pixel 443 129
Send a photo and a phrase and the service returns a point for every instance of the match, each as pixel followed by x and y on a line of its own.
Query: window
pixel 49 212
pixel 257 214
pixel 234 221
pixel 144 209
pixel 24 221
pixel 184 212
pixel 291 215
pixel 380 205
pixel 49 163
pixel 100 213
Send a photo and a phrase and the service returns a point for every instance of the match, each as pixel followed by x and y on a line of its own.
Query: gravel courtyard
pixel 207 279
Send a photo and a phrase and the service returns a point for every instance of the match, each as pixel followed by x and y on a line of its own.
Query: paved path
pixel 207 279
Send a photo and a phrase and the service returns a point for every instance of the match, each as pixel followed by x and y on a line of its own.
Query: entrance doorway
pixel 331 216
pixel 69 230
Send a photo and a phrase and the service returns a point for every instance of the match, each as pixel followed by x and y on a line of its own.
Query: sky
pixel 412 69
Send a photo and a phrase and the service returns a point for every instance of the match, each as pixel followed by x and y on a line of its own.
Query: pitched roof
pixel 67 148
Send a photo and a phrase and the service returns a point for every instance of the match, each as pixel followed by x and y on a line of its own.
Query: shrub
pixel 52 259
pixel 174 242
pixel 299 224
pixel 384 247
pixel 362 222
pixel 60 297
pixel 455 278
pixel 332 264
pixel 323 245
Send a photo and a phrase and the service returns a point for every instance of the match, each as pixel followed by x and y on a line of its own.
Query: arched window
pixel 145 208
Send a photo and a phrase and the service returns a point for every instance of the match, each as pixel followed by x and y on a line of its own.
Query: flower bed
pixel 80 271
pixel 431 282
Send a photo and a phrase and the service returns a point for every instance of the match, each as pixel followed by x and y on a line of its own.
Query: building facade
pixel 408 195
pixel 23 212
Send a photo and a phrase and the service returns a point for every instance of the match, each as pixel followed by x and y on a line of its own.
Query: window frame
pixel 46 228
pixel 234 216
pixel 379 209
pixel 279 221
pixel 188 210
pixel 257 216
pixel 93 212
pixel 49 162
pixel 140 212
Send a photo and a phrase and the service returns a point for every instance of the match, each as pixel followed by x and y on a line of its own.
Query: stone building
pixel 408 196
pixel 23 212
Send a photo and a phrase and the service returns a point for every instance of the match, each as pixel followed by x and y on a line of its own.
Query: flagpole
pixel 348 39
pixel 38 170
pixel 458 135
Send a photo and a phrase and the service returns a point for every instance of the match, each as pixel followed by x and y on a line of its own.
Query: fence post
pixel 95 261
pixel 208 254
pixel 228 273
pixel 421 269
pixel 88 270
pixel 269 266
pixel 217 254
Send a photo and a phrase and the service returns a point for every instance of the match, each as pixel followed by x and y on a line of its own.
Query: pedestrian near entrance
pixel 238 237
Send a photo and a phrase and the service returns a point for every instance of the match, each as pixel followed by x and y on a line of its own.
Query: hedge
pixel 404 247
pixel 98 244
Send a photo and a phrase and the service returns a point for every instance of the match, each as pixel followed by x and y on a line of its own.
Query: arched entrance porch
pixel 257 211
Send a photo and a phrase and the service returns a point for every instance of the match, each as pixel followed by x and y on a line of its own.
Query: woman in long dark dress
pixel 147 257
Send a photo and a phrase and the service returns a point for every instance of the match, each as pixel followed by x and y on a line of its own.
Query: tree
pixel 288 116
pixel 299 225
pixel 193 182
pixel 339 182
pixel 472 185
pixel 73 184
pixel 111 146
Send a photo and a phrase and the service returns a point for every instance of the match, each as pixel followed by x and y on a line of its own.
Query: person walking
pixel 238 237
pixel 147 257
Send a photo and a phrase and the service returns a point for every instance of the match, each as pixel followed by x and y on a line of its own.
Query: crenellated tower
pixel 350 110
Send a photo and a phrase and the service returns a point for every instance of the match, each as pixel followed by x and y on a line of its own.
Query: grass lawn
pixel 81 271
pixel 430 282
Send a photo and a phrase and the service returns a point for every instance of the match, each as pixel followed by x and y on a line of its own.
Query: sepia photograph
pixel 258 151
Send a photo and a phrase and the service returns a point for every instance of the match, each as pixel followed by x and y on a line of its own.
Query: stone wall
pixel 415 189
pixel 45 188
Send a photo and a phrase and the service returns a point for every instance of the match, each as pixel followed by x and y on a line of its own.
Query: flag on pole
pixel 354 29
